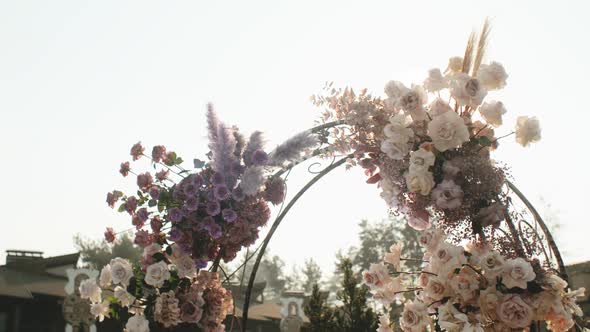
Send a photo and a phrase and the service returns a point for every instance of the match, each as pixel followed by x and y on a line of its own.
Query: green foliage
pixel 353 315
pixel 96 254
pixel 321 317
pixel 311 275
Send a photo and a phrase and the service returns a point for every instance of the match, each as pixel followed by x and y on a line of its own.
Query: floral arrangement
pixel 186 221
pixel 470 289
pixel 428 147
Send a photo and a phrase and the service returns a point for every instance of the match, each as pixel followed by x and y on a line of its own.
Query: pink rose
pixel 514 312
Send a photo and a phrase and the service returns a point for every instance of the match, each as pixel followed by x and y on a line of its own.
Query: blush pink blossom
pixel 125 168
pixel 137 150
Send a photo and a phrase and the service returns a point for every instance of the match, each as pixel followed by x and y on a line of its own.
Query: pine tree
pixel 321 317
pixel 311 275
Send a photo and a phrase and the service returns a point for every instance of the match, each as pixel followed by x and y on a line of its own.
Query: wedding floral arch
pixel 490 262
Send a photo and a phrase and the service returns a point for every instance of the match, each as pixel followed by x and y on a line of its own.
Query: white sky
pixel 81 81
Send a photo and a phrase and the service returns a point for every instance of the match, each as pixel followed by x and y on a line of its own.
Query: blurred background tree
pixel 96 254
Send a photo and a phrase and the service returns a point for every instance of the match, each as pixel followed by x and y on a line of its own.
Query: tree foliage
pixel 96 254
pixel 354 313
pixel 311 275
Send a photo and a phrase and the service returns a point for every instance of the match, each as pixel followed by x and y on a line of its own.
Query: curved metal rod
pixel 273 228
pixel 544 228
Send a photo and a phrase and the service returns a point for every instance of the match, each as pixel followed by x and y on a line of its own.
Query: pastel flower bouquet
pixel 187 222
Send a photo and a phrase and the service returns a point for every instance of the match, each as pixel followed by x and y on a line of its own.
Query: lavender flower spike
pixel 293 148
pixel 255 143
pixel 212 125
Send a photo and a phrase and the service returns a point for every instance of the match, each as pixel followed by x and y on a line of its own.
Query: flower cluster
pixel 187 220
pixel 169 292
pixel 472 289
pixel 428 145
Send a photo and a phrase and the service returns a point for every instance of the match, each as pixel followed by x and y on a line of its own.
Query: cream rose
pixel 527 130
pixel 465 284
pixel 438 107
pixel 121 271
pixel 514 312
pixel 123 296
pixel 393 257
pixel 137 323
pixel 517 273
pixel 419 182
pixel 377 276
pixel 467 91
pixel 185 266
pixel 106 277
pixel 412 102
pixel 492 112
pixel 492 264
pixel 415 317
pixel 435 81
pixel 430 239
pixel 436 289
pixel 90 290
pixel 395 150
pixel 421 160
pixel 488 302
pixel 492 76
pixel 156 274
pixel 448 131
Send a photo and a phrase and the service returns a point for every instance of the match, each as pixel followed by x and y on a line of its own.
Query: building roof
pixel 26 278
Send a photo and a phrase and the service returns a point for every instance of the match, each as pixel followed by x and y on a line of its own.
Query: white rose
pixel 467 91
pixel 517 272
pixel 448 131
pixel 438 107
pixel 100 310
pixel 419 182
pixel 527 130
pixel 105 278
pixel 415 317
pixel 123 296
pixel 185 266
pixel 492 76
pixel 395 89
pixel 447 195
pixel 397 129
pixel 90 290
pixel 395 150
pixel 156 274
pixel 435 81
pixel 389 192
pixel 492 264
pixel 390 292
pixel 137 323
pixel 553 282
pixel 413 102
pixel 421 160
pixel 121 271
pixel 492 112
pixel 488 301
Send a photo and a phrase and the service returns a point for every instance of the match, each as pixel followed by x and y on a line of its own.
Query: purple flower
pixel 229 215
pixel 192 204
pixel 143 214
pixel 156 224
pixel 275 190
pixel 221 192
pixel 211 227
pixel 142 238
pixel 125 168
pixel 259 158
pixel 197 180
pixel 175 234
pixel 155 192
pixel 158 153
pixel 218 178
pixel 175 214
pixel 238 194
pixel 190 189
pixel 113 197
pixel 131 204
pixel 145 180
pixel 213 208
pixel 201 264
pixel 137 150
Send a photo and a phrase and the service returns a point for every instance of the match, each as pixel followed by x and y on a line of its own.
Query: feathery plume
pixel 255 143
pixel 212 125
pixel 468 57
pixel 291 149
pixel 481 45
